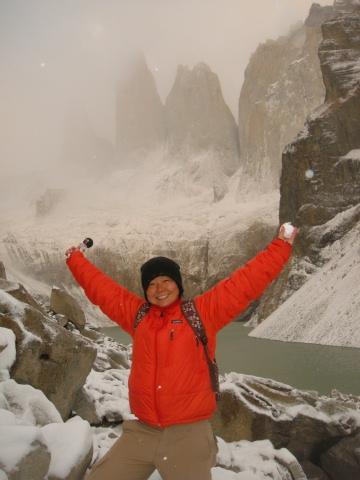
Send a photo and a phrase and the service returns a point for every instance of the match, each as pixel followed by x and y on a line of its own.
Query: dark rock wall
pixel 326 146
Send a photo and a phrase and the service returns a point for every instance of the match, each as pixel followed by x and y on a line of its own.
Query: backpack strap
pixel 193 318
pixel 143 310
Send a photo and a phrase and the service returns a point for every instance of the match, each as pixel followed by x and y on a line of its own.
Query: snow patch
pixel 7 349
pixel 109 392
pixel 68 444
pixel 325 310
pixel 29 405
pixel 15 443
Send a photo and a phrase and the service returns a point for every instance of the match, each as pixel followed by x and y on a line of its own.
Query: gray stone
pixel 2 270
pixel 48 356
pixel 63 303
pixel 313 472
pixel 342 461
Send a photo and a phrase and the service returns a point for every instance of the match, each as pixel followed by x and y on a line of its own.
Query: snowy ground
pixel 326 309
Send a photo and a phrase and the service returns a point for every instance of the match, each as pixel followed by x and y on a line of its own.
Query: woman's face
pixel 162 291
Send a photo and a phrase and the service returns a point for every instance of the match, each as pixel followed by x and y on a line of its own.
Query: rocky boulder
pixel 282 85
pixel 140 114
pixel 198 119
pixel 62 303
pixel 48 357
pixel 342 461
pixel 303 422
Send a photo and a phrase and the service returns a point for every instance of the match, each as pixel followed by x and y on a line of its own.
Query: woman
pixel 170 389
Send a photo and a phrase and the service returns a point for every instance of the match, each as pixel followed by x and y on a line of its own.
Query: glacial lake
pixel 301 365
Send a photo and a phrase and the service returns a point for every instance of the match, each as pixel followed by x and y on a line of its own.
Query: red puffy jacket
pixel 169 381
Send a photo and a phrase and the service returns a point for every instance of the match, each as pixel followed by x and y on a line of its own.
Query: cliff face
pixel 198 119
pixel 321 168
pixel 140 113
pixel 320 181
pixel 282 85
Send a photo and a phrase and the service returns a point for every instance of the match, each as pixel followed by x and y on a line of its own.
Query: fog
pixel 61 62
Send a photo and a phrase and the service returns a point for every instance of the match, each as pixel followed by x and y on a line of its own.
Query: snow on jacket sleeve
pixel 231 296
pixel 118 303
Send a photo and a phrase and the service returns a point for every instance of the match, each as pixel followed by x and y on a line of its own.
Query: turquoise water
pixel 302 365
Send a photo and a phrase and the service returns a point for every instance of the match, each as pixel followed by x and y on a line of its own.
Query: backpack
pixel 192 317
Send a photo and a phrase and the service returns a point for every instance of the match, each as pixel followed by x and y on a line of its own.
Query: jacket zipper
pixel 156 386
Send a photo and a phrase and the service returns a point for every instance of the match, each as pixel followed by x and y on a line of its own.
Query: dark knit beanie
pixel 160 266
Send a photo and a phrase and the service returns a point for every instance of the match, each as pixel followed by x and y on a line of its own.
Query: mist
pixel 61 63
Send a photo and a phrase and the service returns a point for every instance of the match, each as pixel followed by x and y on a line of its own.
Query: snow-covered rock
pixel 303 422
pixel 61 302
pixel 29 405
pixel 104 397
pixel 18 291
pixel 23 453
pixel 7 352
pixel 70 446
pixel 259 459
pixel 48 356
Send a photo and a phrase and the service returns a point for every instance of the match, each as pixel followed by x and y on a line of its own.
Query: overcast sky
pixel 57 56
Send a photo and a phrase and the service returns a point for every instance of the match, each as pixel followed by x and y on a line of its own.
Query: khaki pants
pixel 179 452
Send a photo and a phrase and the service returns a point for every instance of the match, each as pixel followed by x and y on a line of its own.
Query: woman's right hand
pixel 70 251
